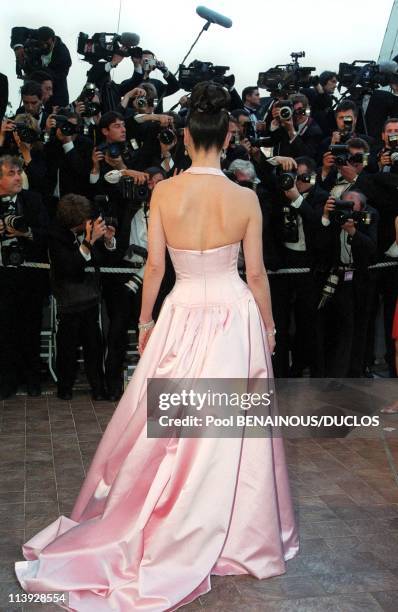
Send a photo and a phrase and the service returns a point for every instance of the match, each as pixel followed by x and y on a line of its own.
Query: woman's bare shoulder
pixel 247 196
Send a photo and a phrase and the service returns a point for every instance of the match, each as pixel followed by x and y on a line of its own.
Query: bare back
pixel 201 212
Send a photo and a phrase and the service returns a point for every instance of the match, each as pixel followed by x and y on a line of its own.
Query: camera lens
pixel 286 181
pixel 285 112
pixel 114 150
pixel 166 136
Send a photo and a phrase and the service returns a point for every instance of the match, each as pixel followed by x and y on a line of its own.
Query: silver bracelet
pixel 271 333
pixel 146 326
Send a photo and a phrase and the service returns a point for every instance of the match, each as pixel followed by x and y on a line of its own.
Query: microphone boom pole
pixel 211 17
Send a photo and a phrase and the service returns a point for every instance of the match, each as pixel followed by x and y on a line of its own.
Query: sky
pixel 262 35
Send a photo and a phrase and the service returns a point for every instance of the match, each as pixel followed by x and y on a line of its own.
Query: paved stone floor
pixel 345 494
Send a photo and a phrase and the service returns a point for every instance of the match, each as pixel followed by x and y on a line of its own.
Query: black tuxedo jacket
pixel 274 250
pixel 325 144
pixel 306 143
pixel 3 94
pixel 381 189
pixel 363 244
pixel 29 204
pixel 382 104
pixel 74 288
pixel 58 66
pixel 74 167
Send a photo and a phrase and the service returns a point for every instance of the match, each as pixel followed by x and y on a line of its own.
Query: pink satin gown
pixel 156 517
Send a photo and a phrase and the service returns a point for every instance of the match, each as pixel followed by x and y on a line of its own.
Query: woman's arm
pixel 155 265
pixel 256 274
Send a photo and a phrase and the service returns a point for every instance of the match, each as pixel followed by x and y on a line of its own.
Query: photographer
pixel 45 80
pixel 68 156
pixel 341 170
pixel 143 66
pixel 297 135
pixel 347 242
pixel 376 107
pixel 293 221
pixel 32 102
pixel 20 136
pixel 346 116
pixel 115 153
pixel 251 102
pixel 88 107
pixel 321 100
pixel 234 150
pixel 122 292
pixel 387 154
pixel 246 136
pixel 76 242
pixel 381 188
pixel 3 94
pixel 42 48
pixel 23 237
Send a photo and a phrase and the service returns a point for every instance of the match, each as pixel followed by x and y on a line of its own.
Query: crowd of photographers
pixel 75 186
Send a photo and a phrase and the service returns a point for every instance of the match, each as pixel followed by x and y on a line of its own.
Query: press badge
pixel 348 275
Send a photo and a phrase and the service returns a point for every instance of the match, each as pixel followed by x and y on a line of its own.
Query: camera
pixel 26 133
pixel 148 64
pixel 132 192
pixel 67 127
pixel 198 71
pixel 346 132
pixel 287 180
pixel 290 230
pixel 102 209
pixel 345 210
pixel 362 75
pixel 141 102
pixel 16 222
pixel 394 158
pixel 285 109
pixel 301 112
pixel 393 141
pixel 90 108
pixel 287 77
pixel 264 141
pixel 103 45
pixel 340 154
pixel 167 136
pixel 348 123
pixel 359 158
pixel 113 149
pixel 12 254
pixel 33 51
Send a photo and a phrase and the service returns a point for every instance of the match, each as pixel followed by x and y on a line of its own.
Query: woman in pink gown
pixel 156 517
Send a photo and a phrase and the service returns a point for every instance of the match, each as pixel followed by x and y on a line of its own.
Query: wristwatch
pixel 87 244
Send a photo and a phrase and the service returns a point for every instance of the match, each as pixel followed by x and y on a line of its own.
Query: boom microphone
pixel 213 17
pixel 129 39
pixel 390 67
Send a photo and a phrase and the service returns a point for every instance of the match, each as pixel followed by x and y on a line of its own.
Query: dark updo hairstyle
pixel 208 118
